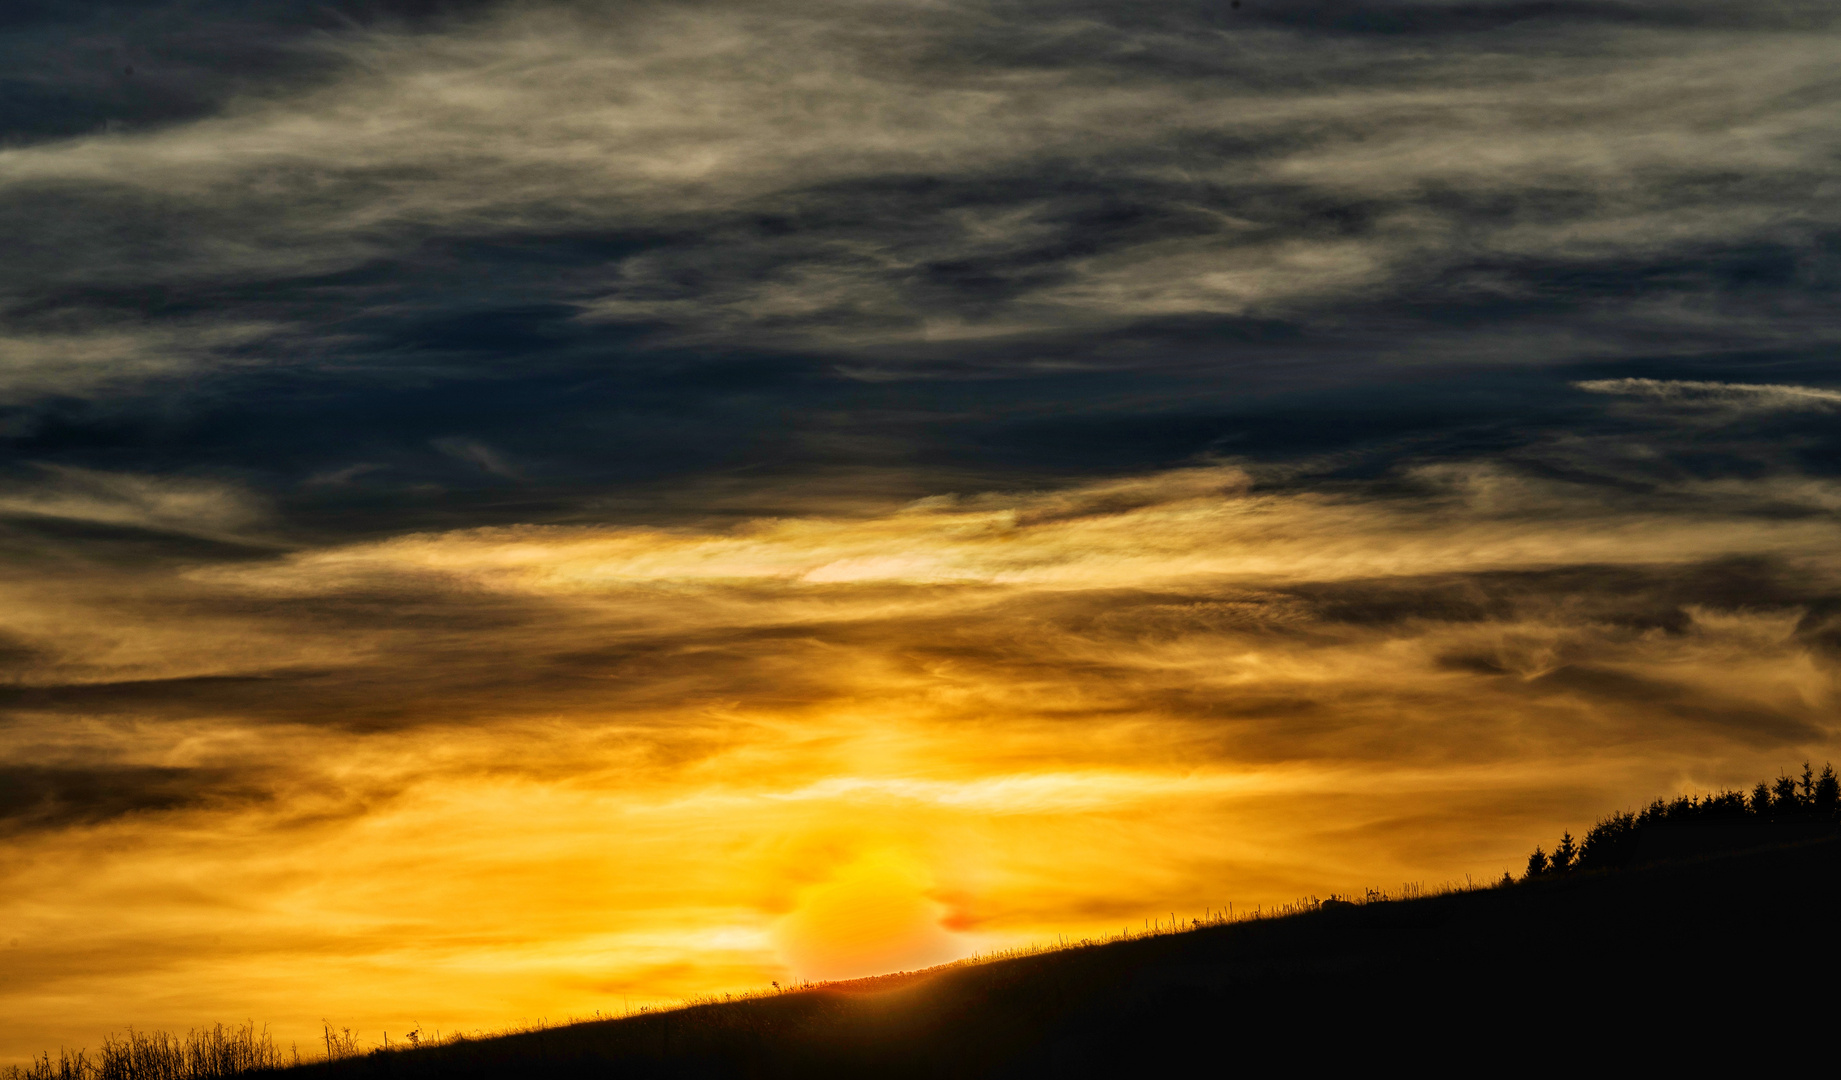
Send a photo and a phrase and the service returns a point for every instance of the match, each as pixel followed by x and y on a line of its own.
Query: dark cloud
pixel 77 69
pixel 1735 717
pixel 16 652
pixel 172 697
pixel 1633 596
pixel 1820 627
pixel 37 798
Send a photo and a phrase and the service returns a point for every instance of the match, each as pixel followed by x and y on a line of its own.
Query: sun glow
pixel 870 916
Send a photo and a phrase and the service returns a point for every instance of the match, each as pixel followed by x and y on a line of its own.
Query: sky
pixel 515 509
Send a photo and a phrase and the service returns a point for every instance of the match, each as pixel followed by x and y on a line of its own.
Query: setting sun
pixel 870 916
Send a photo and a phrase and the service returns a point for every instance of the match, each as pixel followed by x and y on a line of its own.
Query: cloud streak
pixel 198 507
pixel 1714 395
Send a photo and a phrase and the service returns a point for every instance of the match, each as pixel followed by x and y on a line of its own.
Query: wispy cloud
pixel 1740 397
pixel 112 356
pixel 476 453
pixel 195 507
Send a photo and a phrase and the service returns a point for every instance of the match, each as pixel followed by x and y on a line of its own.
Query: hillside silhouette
pixel 1694 926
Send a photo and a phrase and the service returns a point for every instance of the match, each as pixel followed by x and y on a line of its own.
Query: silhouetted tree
pixel 1610 842
pixel 1827 791
pixel 1761 799
pixel 1783 796
pixel 1537 863
pixel 1727 804
pixel 1563 854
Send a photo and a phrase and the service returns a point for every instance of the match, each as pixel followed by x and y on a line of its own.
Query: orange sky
pixel 459 779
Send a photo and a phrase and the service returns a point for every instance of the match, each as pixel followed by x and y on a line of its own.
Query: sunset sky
pixel 514 509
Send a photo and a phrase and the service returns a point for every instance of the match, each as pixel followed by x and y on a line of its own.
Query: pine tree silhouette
pixel 1564 853
pixel 1827 791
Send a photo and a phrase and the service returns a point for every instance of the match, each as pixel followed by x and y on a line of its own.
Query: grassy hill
pixel 1679 957
pixel 1683 959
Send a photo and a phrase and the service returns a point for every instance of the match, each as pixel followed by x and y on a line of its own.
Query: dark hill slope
pixel 1681 959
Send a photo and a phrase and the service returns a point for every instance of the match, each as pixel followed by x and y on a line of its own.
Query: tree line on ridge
pixel 1698 824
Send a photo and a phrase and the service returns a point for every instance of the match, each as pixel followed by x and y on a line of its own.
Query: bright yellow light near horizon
pixel 868 917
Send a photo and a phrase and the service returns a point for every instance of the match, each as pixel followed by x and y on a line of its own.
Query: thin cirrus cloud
pixel 200 507
pixel 1739 397
pixel 476 453
pixel 93 360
